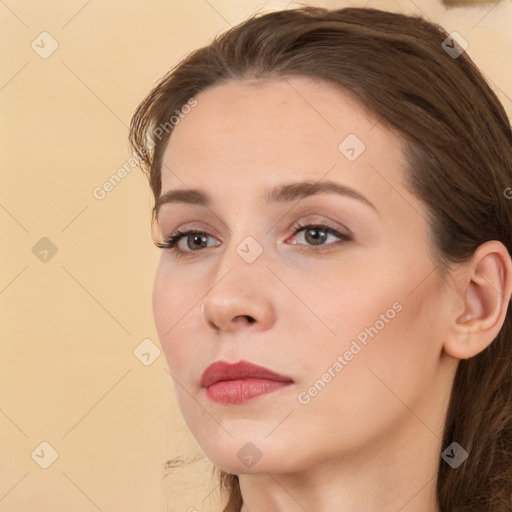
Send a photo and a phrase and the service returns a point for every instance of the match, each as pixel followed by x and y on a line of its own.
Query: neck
pixel 391 475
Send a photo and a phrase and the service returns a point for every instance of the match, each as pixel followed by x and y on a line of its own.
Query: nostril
pixel 249 319
pixel 213 325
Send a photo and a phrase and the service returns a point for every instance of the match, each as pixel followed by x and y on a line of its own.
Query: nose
pixel 240 297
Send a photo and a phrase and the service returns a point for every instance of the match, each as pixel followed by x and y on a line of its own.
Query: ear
pixel 484 288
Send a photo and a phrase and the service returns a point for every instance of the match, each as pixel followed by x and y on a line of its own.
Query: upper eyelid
pixel 296 226
pixel 332 224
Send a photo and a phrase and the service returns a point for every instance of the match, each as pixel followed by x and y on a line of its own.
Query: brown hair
pixel 458 147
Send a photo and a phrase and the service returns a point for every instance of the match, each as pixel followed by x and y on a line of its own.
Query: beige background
pixel 69 325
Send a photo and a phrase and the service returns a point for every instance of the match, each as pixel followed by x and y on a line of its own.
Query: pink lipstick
pixel 240 382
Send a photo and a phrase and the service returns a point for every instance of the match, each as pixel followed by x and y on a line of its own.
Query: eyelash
pixel 171 243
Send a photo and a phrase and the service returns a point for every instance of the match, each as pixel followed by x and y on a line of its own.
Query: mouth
pixel 240 382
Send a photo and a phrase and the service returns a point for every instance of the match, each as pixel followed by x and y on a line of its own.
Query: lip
pixel 240 382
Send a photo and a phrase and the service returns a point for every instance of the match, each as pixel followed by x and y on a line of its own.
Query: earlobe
pixel 485 287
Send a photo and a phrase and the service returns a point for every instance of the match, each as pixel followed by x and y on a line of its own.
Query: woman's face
pixel 351 319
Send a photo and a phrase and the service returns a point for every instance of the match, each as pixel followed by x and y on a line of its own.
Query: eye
pixel 183 243
pixel 194 241
pixel 317 234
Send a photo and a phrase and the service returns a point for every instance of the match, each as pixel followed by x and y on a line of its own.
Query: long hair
pixel 458 147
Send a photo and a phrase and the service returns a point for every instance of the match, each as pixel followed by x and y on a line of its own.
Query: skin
pixel 371 438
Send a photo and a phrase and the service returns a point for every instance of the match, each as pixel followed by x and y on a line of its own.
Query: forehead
pixel 248 135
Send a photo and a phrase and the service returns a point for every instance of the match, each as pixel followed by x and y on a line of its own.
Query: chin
pixel 251 461
pixel 246 453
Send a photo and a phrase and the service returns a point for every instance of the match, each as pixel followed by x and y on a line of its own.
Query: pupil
pixel 197 239
pixel 316 237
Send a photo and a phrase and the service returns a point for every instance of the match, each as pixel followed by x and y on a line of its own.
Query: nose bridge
pixel 238 294
pixel 243 250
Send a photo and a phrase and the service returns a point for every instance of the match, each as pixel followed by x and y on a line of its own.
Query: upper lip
pixel 221 371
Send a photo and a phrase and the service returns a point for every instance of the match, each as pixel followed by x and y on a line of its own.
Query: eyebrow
pixel 282 193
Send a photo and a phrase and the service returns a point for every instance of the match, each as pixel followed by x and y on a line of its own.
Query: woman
pixel 332 296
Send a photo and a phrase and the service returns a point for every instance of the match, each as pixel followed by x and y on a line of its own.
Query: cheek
pixel 164 303
pixel 384 356
pixel 174 305
pixel 343 304
pixel 371 322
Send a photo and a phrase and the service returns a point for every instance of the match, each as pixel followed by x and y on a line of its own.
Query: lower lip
pixel 241 391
